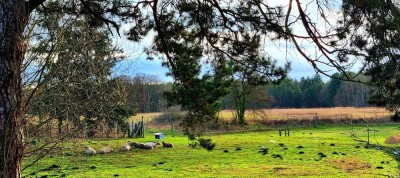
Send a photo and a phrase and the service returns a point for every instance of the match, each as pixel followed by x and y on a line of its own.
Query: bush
pixel 206 143
pixel 396 117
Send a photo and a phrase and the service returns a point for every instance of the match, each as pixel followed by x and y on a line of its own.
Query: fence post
pixel 116 129
pixel 147 124
pixel 368 130
pixel 142 128
pixel 172 123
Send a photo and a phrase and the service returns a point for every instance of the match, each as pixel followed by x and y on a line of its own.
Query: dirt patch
pixel 394 139
pixel 295 171
pixel 349 164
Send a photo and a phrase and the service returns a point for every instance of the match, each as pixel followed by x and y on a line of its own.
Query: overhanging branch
pixel 33 4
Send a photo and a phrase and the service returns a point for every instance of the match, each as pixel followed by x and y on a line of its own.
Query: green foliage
pixel 190 31
pixel 313 92
pixel 287 95
pixel 124 111
pixel 374 31
pixel 206 143
pixel 260 71
pixel 200 98
pixel 311 88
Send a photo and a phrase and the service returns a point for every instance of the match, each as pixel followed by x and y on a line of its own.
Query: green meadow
pixel 310 152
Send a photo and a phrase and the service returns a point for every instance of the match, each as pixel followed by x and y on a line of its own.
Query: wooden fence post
pixel 172 123
pixel 368 130
pixel 115 127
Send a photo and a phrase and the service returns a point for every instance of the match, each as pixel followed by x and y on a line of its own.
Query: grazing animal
pixel 152 144
pixel 167 145
pixel 89 151
pixel 148 145
pixel 126 147
pixel 145 146
pixel 134 144
pixel 106 150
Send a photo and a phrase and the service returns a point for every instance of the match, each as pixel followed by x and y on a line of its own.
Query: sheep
pixel 145 146
pixel 152 144
pixel 134 144
pixel 106 150
pixel 126 147
pixel 89 151
pixel 148 145
pixel 167 145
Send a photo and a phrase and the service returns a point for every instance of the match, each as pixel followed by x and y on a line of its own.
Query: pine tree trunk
pixel 13 20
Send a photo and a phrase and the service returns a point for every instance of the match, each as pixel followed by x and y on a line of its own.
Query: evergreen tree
pixel 287 95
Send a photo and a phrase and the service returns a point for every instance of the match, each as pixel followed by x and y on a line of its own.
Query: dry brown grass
pixel 297 171
pixel 394 139
pixel 146 116
pixel 336 113
pixel 349 164
pixel 280 116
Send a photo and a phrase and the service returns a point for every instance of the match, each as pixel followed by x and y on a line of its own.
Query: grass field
pixel 345 157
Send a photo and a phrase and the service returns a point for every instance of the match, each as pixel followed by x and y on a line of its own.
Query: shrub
pixel 395 117
pixel 206 143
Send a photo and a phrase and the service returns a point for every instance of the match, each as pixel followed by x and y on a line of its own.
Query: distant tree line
pixel 146 93
pixel 313 92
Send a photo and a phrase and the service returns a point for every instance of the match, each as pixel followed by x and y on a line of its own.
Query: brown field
pixel 145 116
pixel 337 113
pixel 367 113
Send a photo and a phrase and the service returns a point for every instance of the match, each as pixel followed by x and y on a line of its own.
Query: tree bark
pixel 13 20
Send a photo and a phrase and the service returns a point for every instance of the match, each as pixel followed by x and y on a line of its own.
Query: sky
pixel 136 62
pixel 141 65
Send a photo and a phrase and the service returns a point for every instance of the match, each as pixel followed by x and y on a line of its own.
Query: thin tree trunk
pixel 13 20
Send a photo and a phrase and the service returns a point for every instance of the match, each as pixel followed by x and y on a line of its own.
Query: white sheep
pixel 150 145
pixel 145 146
pixel 89 151
pixel 126 147
pixel 106 150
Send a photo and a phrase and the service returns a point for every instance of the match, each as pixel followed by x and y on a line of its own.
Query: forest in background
pixel 146 93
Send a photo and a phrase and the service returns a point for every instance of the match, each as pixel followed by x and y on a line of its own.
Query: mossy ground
pixel 345 157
